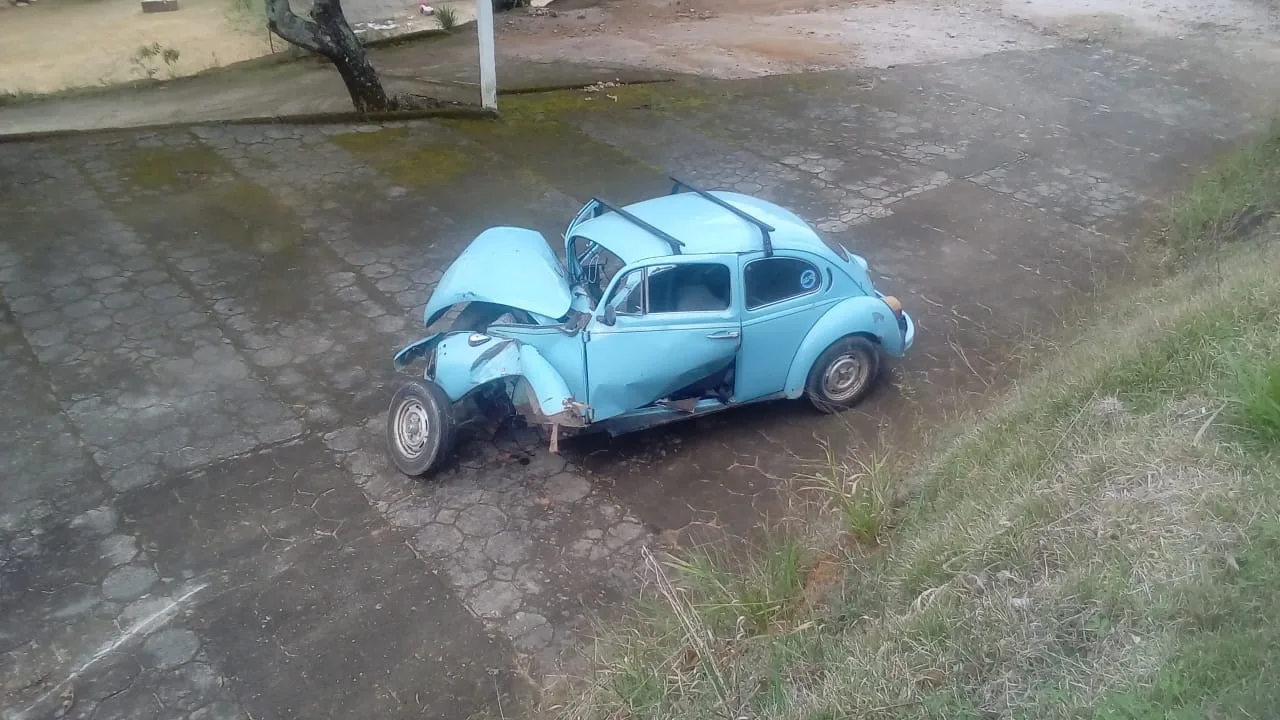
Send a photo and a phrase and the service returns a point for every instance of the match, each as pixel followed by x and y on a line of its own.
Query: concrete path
pixel 197 518
pixel 444 68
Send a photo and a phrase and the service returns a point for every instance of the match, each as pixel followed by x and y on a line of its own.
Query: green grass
pixel 24 97
pixel 859 492
pixel 447 17
pixel 170 168
pixel 1229 199
pixel 1257 399
pixel 1105 543
pixel 745 596
pixel 15 97
pixel 407 159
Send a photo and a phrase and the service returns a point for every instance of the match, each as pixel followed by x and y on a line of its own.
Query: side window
pixel 775 279
pixel 689 287
pixel 628 296
pixel 597 263
pixel 692 287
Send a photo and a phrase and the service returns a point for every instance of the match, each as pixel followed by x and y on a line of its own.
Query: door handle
pixel 724 335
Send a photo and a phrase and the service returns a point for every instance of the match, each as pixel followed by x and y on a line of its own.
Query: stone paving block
pixel 319 590
pixel 310 337
pixel 1064 84
pixel 704 160
pixel 1085 195
pixel 83 610
pixel 892 115
pixel 47 474
pixel 568 159
pixel 832 146
pixel 73 580
pixel 522 537
pixel 367 279
pixel 1028 258
pixel 134 384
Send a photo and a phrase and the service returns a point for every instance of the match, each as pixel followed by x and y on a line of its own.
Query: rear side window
pixel 776 279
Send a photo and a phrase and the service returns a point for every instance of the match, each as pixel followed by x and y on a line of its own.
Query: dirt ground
pixel 58 44
pixel 53 45
pixel 747 38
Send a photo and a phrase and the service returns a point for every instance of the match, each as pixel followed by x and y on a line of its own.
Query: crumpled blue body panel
pixel 462 367
pixel 505 266
pixel 575 365
pixel 416 349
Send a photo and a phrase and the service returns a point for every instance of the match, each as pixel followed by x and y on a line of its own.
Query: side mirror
pixel 610 315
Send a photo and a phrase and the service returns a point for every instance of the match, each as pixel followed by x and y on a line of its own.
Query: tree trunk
pixel 329 34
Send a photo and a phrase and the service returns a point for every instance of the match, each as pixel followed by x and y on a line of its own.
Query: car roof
pixel 703 226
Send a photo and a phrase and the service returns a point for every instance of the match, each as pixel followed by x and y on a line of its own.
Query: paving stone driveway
pixel 197 518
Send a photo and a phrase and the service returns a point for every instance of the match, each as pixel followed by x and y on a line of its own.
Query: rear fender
pixel 462 367
pixel 863 315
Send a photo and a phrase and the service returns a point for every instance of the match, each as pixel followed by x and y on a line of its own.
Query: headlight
pixel 477 339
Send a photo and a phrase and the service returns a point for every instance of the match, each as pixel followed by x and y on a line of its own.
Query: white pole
pixel 488 63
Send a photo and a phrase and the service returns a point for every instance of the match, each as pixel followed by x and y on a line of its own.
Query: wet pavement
pixel 197 516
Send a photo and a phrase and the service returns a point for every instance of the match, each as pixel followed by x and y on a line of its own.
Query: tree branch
pixel 306 34
pixel 328 33
pixel 332 21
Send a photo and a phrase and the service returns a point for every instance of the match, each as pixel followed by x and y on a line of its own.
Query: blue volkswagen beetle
pixel 670 308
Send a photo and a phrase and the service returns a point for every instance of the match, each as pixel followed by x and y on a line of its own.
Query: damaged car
pixel 663 310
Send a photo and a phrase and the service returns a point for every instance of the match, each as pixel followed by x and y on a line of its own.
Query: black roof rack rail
pixel 673 242
pixel 765 228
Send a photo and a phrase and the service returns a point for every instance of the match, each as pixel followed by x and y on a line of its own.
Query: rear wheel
pixel 420 427
pixel 843 374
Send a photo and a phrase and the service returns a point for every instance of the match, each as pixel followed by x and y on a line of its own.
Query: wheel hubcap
pixel 412 428
pixel 844 378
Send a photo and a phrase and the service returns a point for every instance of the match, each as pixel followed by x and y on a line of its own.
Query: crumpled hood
pixel 505 266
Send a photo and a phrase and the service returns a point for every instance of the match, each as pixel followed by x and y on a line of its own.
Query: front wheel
pixel 420 427
pixel 843 374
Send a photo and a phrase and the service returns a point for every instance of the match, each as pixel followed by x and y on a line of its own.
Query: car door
pixel 783 296
pixel 587 212
pixel 661 327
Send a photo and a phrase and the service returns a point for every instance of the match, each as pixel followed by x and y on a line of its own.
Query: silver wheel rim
pixel 845 377
pixel 411 428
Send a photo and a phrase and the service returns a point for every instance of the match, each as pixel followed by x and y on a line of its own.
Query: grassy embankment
pixel 1105 543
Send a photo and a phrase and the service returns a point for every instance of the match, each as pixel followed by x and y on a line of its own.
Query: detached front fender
pixel 866 315
pixel 415 350
pixel 462 367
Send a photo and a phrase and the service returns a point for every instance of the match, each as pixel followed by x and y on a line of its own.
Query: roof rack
pixel 765 228
pixel 673 242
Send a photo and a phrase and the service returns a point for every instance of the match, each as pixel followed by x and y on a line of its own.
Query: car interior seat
pixel 703 290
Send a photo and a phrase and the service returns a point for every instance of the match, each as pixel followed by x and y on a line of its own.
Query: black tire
pixel 830 387
pixel 417 449
pixel 478 316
